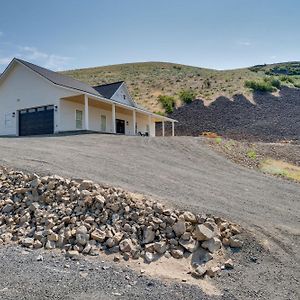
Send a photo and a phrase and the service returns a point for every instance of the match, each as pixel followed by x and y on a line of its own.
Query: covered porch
pixel 85 112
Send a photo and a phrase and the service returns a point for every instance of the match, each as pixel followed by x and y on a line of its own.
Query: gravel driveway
pixel 183 171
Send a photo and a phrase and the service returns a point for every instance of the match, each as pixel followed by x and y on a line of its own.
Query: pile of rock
pixel 83 217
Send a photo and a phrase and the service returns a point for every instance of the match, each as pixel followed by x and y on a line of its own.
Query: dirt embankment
pixel 271 118
pixel 184 172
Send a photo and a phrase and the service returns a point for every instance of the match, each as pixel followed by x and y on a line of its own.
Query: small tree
pixel 187 96
pixel 168 103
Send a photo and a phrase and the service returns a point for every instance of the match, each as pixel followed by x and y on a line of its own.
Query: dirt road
pixel 186 173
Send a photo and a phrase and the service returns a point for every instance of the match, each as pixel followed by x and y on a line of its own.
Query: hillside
pixel 146 81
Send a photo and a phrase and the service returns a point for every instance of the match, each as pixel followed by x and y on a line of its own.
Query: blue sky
pixel 221 34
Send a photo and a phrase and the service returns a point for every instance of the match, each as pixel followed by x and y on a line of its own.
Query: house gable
pixel 122 95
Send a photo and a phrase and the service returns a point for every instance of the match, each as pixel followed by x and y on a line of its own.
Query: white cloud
pixel 50 61
pixel 5 60
pixel 245 43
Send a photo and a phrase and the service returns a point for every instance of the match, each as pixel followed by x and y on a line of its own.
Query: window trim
pixel 103 115
pixel 77 127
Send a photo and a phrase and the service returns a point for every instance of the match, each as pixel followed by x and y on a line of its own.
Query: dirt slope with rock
pixel 271 118
pixel 83 217
pixel 187 174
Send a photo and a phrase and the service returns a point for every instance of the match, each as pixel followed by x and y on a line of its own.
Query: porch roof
pixel 118 104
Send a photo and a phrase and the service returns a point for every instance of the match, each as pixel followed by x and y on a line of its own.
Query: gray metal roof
pixel 60 79
pixel 108 90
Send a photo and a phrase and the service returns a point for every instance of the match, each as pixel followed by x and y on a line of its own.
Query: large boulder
pixel 202 233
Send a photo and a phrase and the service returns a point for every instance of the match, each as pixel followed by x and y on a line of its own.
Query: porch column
pixel 86 112
pixel 149 124
pixel 133 122
pixel 173 128
pixel 163 128
pixel 113 118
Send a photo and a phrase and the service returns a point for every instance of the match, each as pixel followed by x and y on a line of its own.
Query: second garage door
pixel 34 121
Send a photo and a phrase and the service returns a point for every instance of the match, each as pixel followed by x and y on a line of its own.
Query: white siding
pixel 68 122
pixel 22 88
pixel 120 93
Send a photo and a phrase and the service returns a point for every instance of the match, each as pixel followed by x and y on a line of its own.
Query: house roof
pixel 68 82
pixel 60 79
pixel 108 90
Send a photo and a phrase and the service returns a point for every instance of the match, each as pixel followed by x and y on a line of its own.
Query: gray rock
pixel 160 247
pixel 39 258
pixel 190 245
pixel 200 271
pixel 126 245
pixel 28 242
pixel 189 217
pixel 74 254
pixel 212 245
pixel 98 235
pixel 7 208
pixel 179 228
pixel 235 243
pixel 213 271
pixel 229 264
pixel 149 257
pixel 177 253
pixel 202 233
pixel 82 236
pixel 149 235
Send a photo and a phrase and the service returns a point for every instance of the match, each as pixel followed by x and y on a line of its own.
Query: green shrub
pixel 297 85
pixel 168 103
pixel 159 113
pixel 251 154
pixel 276 83
pixel 187 96
pixel 218 140
pixel 260 85
pixel 287 79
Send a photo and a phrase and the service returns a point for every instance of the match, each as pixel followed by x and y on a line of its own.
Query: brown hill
pixel 146 81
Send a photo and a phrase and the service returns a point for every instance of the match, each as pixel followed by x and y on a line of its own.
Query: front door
pixel 120 126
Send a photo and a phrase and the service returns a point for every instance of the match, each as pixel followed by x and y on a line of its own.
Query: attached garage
pixel 36 121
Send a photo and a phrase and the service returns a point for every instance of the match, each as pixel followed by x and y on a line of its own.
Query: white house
pixel 34 100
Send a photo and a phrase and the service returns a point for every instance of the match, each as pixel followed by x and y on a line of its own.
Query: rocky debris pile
pixel 84 217
pixel 271 119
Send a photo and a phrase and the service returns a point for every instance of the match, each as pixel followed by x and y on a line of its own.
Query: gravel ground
pixel 182 171
pixel 23 277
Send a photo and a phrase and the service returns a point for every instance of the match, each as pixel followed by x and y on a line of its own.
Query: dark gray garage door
pixel 35 121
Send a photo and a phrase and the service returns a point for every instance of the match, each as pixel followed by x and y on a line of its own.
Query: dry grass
pixel 280 168
pixel 146 81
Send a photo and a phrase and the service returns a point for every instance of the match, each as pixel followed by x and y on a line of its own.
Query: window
pixel 78 119
pixel 124 97
pixel 103 123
